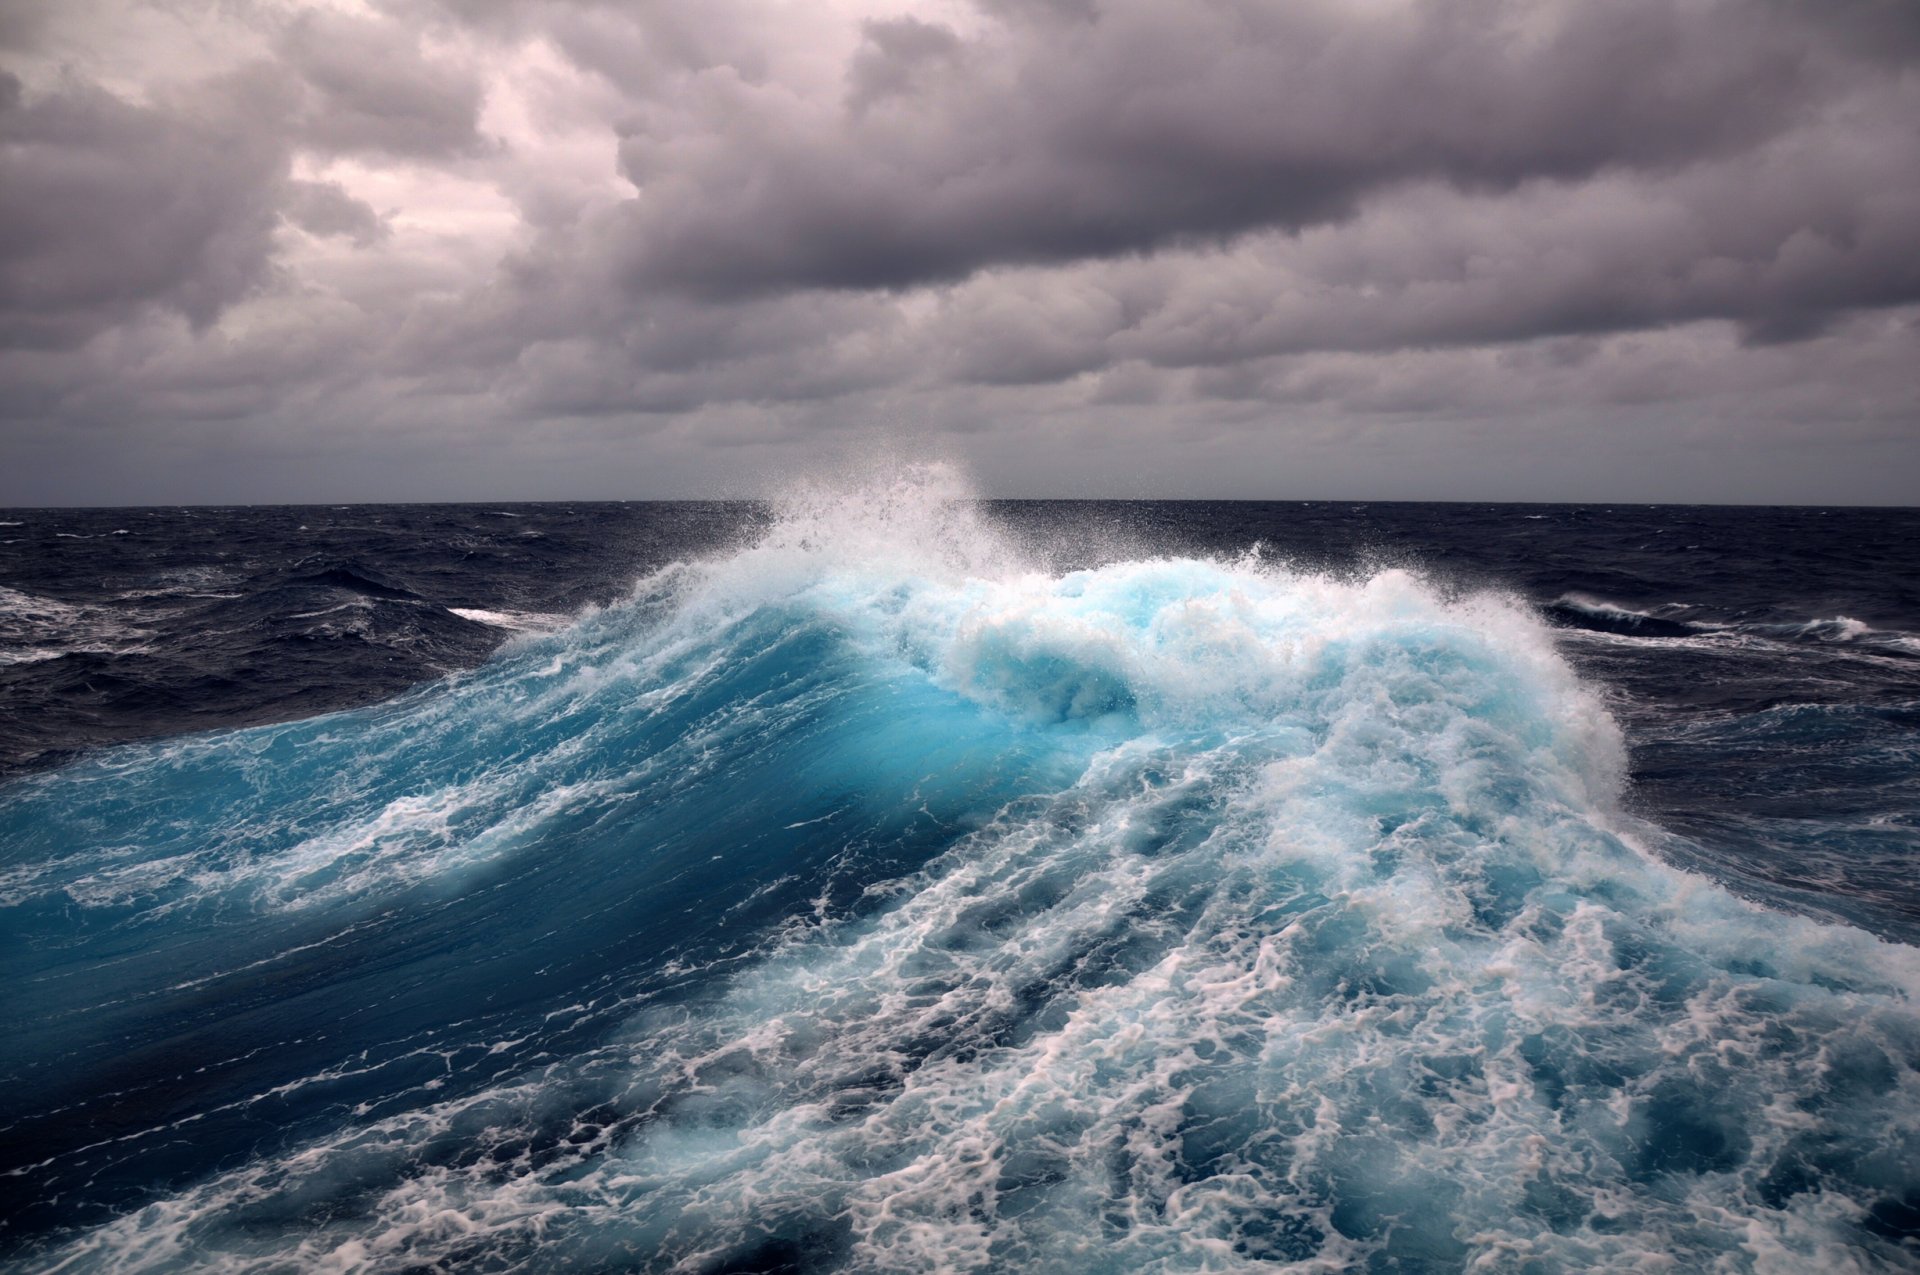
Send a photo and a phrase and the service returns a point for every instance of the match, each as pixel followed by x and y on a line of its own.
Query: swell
pixel 869 899
pixel 214 619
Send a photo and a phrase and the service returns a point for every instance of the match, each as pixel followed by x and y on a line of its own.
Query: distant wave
pixel 1597 615
pixel 1579 610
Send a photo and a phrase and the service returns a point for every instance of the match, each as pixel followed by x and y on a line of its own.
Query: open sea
pixel 883 880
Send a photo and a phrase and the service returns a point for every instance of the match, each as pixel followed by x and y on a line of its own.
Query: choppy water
pixel 891 882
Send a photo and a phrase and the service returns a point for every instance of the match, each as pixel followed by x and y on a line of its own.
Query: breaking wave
pixel 873 899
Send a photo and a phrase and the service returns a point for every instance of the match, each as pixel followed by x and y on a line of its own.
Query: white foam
pixel 1841 628
pixel 37 625
pixel 517 621
pixel 1586 602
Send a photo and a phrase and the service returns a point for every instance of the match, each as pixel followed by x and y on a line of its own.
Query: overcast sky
pixel 1378 249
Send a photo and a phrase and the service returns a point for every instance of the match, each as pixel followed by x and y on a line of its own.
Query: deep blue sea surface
pixel 881 880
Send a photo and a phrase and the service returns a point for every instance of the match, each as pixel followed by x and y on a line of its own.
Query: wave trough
pixel 873 899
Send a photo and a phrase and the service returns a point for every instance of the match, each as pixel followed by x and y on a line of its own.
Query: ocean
pixel 885 880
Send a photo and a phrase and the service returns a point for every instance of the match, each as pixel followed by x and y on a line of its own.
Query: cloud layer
pixel 1655 249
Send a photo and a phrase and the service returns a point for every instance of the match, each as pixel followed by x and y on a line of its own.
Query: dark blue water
pixel 885 881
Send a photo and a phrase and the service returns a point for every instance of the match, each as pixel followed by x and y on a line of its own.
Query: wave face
pixel 873 899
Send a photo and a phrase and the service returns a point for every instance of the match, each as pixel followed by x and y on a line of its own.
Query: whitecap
pixel 517 621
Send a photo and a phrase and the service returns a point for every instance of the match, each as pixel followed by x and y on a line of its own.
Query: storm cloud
pixel 1516 248
pixel 108 208
pixel 1060 137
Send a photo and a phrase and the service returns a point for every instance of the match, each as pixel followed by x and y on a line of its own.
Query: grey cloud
pixel 1863 363
pixel 374 89
pixel 894 52
pixel 21 26
pixel 655 41
pixel 111 208
pixel 325 208
pixel 675 355
pixel 108 208
pixel 1048 139
pixel 1782 241
pixel 635 46
pixel 1881 30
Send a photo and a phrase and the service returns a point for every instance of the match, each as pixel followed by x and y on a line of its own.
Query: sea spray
pixel 883 900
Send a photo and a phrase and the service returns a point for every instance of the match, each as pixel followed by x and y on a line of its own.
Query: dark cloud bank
pixel 1632 249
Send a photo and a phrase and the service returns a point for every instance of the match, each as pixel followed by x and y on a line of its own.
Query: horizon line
pixel 986 499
